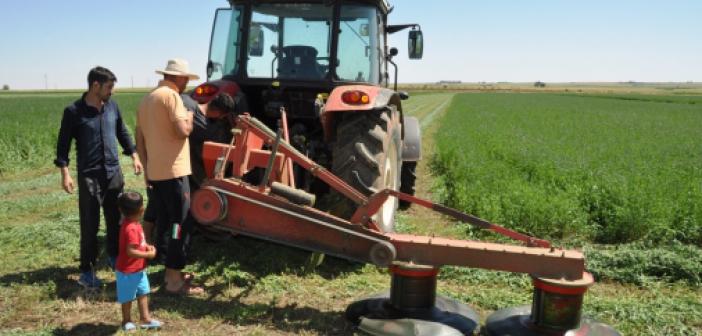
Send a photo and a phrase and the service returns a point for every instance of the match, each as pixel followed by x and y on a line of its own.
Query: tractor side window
pixel 359 46
pixel 224 46
pixel 296 41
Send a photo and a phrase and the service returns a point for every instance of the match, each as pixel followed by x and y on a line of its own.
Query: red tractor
pixel 326 64
pixel 322 124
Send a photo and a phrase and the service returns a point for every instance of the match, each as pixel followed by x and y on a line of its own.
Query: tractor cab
pixel 314 42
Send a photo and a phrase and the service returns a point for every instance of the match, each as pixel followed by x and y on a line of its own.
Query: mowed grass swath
pixel 30 124
pixel 604 169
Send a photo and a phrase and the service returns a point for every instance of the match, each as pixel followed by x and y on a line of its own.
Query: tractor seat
pixel 299 62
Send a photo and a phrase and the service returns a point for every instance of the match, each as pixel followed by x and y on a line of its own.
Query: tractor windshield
pixel 290 41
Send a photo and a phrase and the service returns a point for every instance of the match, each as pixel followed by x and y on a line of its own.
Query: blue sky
pixel 471 41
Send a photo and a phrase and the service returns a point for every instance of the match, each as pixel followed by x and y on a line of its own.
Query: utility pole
pixel 46 82
pixel 132 82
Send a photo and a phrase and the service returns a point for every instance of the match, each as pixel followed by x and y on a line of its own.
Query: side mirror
pixel 416 44
pixel 256 41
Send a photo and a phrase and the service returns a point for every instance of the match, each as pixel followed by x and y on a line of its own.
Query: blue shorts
pixel 131 285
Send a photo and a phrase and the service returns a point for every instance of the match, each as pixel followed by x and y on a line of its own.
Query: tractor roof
pixel 383 5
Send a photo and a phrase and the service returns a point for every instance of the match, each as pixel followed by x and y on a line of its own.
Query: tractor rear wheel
pixel 367 156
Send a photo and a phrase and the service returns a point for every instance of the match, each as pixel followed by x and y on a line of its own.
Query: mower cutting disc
pixel 517 321
pixel 446 312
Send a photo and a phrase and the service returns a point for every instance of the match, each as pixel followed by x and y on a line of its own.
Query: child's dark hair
pixel 223 102
pixel 100 75
pixel 130 203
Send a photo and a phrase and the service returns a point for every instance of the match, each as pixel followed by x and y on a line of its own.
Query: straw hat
pixel 178 67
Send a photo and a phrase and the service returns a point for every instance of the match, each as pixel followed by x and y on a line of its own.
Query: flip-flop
pixel 129 326
pixel 153 324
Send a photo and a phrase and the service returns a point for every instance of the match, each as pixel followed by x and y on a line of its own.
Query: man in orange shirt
pixel 162 129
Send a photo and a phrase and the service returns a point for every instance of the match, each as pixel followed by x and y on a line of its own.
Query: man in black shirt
pixel 96 124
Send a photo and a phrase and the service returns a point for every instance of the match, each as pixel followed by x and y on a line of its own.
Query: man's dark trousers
pixel 168 208
pixel 96 190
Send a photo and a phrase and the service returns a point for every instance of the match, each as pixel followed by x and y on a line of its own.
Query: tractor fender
pixel 412 141
pixel 380 98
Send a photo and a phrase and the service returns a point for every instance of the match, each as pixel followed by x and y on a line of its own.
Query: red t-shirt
pixel 130 233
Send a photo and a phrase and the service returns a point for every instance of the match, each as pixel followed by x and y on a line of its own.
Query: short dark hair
pixel 100 75
pixel 222 102
pixel 130 203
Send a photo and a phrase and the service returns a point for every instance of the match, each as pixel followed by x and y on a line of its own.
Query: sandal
pixel 128 327
pixel 152 325
pixel 186 289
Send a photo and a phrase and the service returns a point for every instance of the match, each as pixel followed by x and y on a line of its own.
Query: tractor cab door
pixel 361 45
pixel 224 43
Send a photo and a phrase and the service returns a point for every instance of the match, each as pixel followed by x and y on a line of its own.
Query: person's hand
pixel 146 181
pixel 150 251
pixel 67 183
pixel 138 168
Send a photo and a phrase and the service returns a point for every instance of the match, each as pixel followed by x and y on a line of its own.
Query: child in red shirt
pixel 132 282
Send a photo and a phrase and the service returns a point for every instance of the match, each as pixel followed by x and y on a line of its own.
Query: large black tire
pixel 367 155
pixel 407 180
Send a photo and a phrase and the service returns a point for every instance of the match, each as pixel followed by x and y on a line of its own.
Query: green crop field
pixel 590 168
pixel 616 175
pixel 30 125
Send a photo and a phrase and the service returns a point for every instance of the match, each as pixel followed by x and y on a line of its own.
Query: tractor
pixel 323 156
pixel 326 63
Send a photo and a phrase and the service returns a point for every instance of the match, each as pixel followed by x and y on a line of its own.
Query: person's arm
pixel 184 126
pixel 141 150
pixel 182 118
pixel 134 252
pixel 125 140
pixel 63 146
pixel 136 163
pixel 66 180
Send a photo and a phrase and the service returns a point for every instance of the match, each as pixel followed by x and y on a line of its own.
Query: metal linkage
pixel 376 201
